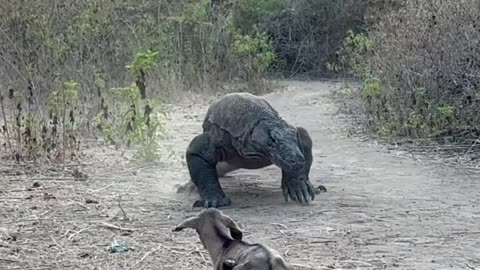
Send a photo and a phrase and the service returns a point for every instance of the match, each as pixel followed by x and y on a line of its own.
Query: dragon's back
pixel 238 113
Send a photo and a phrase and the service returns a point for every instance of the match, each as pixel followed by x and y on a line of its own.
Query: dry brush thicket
pixel 72 69
pixel 420 70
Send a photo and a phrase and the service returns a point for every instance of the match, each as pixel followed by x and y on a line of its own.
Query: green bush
pixel 255 56
pixel 137 121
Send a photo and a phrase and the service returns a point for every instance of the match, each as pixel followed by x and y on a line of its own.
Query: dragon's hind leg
pixel 223 168
pixel 202 160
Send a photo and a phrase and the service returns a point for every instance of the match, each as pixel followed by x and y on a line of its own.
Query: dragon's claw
pixel 301 191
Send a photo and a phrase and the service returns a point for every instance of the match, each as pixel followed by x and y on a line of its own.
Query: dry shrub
pixel 305 34
pixel 421 75
pixel 48 46
pixel 375 10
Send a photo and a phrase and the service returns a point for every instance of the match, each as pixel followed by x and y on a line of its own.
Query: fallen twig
pixel 303 266
pixel 115 227
pixel 103 188
pixel 121 208
pixel 9 260
pixel 145 256
pixel 280 225
pixel 469 266
pixel 77 233
pixel 55 242
pixel 197 250
pixel 322 242
pixel 82 205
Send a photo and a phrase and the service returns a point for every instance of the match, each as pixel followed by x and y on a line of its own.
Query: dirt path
pixel 381 211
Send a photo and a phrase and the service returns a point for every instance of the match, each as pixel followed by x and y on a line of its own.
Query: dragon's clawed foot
pixel 298 190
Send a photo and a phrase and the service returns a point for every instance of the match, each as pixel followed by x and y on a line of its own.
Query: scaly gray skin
pixel 244 131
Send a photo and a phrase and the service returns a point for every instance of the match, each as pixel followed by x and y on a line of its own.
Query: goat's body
pixel 250 256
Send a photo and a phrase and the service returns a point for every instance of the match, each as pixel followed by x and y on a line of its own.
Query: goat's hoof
pixel 214 202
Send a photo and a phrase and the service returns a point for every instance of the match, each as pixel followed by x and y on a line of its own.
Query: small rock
pixel 6 235
pixel 36 185
pixel 48 196
pixel 84 255
pixel 90 201
pixel 78 175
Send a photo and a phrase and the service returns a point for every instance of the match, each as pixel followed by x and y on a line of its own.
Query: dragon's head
pixel 279 142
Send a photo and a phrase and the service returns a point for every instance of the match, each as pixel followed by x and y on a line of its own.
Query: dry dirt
pixel 383 210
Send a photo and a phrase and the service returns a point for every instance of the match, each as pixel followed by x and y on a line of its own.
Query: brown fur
pixel 221 236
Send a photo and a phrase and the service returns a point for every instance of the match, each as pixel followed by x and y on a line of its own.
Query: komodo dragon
pixel 242 130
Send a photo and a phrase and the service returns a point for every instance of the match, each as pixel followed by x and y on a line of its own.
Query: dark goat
pixel 222 238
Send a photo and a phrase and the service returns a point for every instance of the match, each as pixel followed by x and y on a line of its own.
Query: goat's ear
pixel 190 222
pixel 235 232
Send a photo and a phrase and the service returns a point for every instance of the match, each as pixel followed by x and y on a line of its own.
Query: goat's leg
pixel 202 158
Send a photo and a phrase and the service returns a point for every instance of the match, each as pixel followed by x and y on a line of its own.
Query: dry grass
pixel 50 221
pixel 464 156
pixel 55 219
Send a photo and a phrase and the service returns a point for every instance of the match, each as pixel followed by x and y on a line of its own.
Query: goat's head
pixel 215 229
pixel 211 222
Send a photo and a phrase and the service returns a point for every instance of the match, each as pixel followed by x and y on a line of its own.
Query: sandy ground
pixel 382 210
